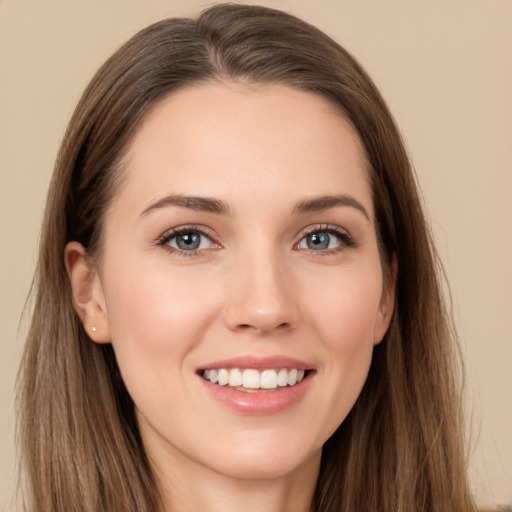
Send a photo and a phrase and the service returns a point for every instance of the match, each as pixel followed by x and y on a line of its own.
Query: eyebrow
pixel 211 205
pixel 203 204
pixel 316 204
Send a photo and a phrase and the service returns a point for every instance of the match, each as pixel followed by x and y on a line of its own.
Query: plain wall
pixel 445 68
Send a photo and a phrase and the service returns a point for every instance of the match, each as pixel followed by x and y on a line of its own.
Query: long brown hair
pixel 400 449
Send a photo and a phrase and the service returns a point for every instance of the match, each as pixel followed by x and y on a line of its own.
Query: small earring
pixel 93 328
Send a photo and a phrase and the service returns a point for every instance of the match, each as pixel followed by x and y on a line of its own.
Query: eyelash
pixel 346 239
pixel 164 240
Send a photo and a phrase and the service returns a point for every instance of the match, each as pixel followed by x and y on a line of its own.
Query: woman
pixel 237 301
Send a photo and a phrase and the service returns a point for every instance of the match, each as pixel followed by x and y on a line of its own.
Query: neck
pixel 190 487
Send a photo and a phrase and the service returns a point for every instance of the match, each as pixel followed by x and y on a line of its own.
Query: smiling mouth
pixel 251 380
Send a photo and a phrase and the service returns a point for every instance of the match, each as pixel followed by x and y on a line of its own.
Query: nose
pixel 262 296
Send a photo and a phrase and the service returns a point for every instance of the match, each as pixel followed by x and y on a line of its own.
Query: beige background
pixel 445 68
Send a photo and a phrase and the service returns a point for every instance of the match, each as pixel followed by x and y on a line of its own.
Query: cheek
pixel 155 319
pixel 344 318
pixel 346 311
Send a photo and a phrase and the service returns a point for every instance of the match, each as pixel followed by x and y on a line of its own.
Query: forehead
pixel 222 138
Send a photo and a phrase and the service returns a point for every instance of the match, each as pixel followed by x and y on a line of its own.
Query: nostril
pixel 248 327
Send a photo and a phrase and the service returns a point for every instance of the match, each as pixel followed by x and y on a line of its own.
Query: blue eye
pixel 324 239
pixel 188 240
pixel 319 241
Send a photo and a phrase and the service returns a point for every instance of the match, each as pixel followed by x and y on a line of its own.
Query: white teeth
pixel 282 377
pixel 269 379
pixel 223 377
pixel 251 379
pixel 292 377
pixel 235 378
pixel 254 379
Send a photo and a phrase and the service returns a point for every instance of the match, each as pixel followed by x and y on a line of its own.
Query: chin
pixel 264 461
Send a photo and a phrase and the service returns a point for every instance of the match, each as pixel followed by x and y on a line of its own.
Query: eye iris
pixel 318 241
pixel 188 241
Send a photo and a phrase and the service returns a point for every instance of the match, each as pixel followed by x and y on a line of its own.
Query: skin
pixel 255 287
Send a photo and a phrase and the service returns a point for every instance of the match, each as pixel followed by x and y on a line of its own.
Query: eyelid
pixel 164 238
pixel 347 240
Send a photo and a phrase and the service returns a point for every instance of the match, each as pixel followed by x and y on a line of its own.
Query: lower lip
pixel 262 402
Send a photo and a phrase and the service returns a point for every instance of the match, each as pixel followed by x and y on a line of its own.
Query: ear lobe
pixel 87 291
pixel 387 302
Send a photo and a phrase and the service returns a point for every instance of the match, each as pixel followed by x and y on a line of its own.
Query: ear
pixel 387 302
pixel 87 291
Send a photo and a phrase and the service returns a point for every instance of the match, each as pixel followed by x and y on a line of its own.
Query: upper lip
pixel 258 363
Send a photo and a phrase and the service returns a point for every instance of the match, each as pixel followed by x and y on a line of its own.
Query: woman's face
pixel 241 247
